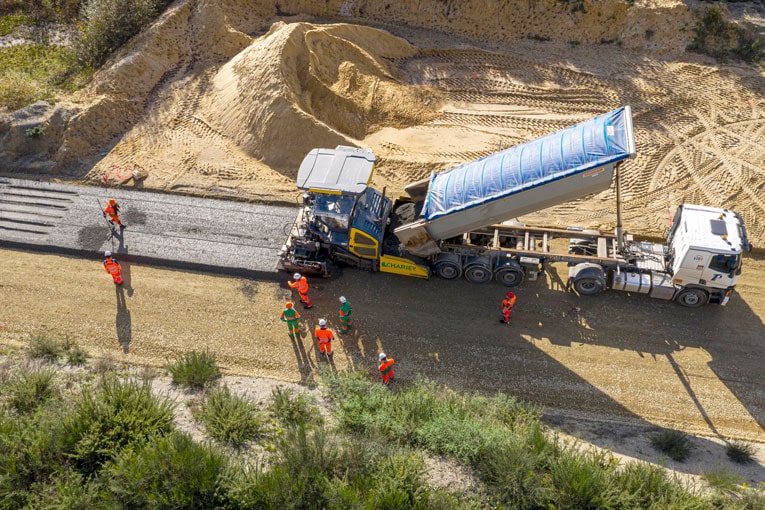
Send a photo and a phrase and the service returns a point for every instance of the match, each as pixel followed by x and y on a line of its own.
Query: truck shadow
pixel 449 332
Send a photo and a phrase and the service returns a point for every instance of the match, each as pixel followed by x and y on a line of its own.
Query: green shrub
pixel 398 483
pixel 105 25
pixel 76 355
pixel 651 487
pixel 675 444
pixel 195 370
pixel 715 36
pixel 739 452
pixel 30 388
pixel 170 471
pixel 67 489
pixel 115 415
pixel 587 480
pixel 514 468
pixel 231 418
pixel 31 454
pixel 43 346
pixel 291 409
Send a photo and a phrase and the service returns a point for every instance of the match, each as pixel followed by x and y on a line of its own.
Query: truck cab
pixel 705 247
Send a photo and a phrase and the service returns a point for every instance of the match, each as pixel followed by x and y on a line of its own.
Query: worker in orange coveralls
pixel 112 210
pixel 113 267
pixel 301 284
pixel 324 337
pixel 386 368
pixel 507 307
pixel 291 316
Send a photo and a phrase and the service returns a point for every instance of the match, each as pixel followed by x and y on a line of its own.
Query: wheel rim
pixel 691 298
pixel 448 271
pixel 509 277
pixel 588 286
pixel 478 274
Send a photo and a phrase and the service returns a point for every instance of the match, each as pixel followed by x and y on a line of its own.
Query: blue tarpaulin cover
pixel 593 143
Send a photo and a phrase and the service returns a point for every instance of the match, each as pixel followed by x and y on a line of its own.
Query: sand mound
pixel 225 98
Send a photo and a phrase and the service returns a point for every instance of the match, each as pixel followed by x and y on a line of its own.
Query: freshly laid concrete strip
pixel 171 230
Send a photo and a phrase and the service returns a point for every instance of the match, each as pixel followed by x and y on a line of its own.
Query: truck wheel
pixel 510 277
pixel 693 298
pixel 448 270
pixel 588 285
pixel 478 274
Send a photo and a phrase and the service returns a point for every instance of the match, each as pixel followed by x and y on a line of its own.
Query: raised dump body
pixel 562 166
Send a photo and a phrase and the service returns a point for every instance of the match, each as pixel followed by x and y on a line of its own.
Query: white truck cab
pixel 705 247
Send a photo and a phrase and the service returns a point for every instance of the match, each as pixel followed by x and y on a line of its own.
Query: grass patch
pixel 45 347
pixel 291 409
pixel 231 418
pixel 723 479
pixel 194 370
pixel 30 388
pixel 30 73
pixel 739 452
pixel 9 22
pixel 675 444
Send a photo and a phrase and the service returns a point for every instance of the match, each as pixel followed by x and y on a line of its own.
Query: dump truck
pixel 459 222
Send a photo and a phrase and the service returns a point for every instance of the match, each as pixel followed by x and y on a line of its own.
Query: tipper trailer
pixel 454 224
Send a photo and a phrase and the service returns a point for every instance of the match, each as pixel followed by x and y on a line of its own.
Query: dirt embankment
pixel 225 98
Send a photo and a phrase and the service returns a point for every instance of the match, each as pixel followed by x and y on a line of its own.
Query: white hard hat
pixel 107 253
pixel 382 355
pixel 342 299
pixel 322 322
pixel 296 276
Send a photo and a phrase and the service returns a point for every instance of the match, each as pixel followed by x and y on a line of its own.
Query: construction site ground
pixel 609 368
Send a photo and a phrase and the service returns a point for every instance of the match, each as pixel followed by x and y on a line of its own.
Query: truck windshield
pixel 333 210
pixel 725 263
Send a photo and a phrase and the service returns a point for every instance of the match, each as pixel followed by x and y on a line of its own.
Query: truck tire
pixel 588 285
pixel 692 298
pixel 510 276
pixel 448 270
pixel 448 266
pixel 478 272
pixel 589 279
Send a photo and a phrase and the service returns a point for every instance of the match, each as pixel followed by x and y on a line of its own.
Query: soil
pixel 224 99
pixel 612 369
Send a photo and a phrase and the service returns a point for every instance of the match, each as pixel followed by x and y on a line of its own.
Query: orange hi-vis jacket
pixel 301 285
pixel 386 369
pixel 112 266
pixel 508 304
pixel 323 335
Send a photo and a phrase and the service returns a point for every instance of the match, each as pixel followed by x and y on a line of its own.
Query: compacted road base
pixel 171 230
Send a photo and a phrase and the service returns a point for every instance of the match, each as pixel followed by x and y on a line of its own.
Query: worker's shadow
pixel 123 322
pixel 303 361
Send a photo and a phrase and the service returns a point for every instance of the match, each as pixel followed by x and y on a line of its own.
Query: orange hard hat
pixel 289 304
pixel 112 201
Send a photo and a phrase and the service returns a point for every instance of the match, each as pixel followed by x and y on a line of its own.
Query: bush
pixel 108 24
pixel 739 452
pixel 651 487
pixel 117 415
pixel 231 418
pixel 291 409
pixel 31 453
pixel 42 346
pixel 195 370
pixel 674 443
pixel 170 471
pixel 724 479
pixel 76 355
pixel 31 388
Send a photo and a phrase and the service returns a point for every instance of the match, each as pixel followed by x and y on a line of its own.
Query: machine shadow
pixel 451 335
